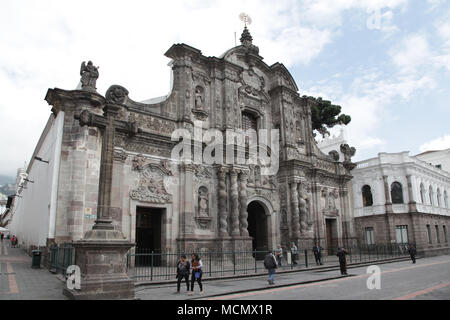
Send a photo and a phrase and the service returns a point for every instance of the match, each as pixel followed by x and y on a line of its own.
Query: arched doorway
pixel 258 228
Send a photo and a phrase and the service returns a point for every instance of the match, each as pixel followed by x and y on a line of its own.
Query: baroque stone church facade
pixel 163 204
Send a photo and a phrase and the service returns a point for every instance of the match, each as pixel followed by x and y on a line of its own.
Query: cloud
pixel 44 43
pixel 436 144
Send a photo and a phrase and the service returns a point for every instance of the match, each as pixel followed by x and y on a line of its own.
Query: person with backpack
pixel 197 272
pixel 270 263
pixel 279 255
pixel 183 269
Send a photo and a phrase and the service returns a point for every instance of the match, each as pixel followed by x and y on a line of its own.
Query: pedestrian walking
pixel 197 272
pixel 294 253
pixel 317 249
pixel 270 263
pixel 183 270
pixel 279 255
pixel 412 252
pixel 2 236
pixel 341 253
pixel 13 240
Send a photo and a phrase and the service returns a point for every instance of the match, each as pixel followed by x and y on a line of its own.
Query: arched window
pixel 439 197
pixel 422 193
pixel 396 193
pixel 431 194
pixel 367 196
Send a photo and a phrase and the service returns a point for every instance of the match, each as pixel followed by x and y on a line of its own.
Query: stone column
pixel 387 195
pixel 295 211
pixel 303 214
pixel 188 212
pixel 412 203
pixel 243 201
pixel 223 212
pixel 101 254
pixel 234 204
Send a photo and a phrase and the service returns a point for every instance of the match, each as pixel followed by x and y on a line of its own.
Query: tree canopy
pixel 325 115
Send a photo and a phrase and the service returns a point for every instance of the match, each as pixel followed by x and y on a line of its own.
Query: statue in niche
pixel 331 202
pixel 203 208
pixel 299 133
pixel 324 196
pixel 199 99
pixel 89 75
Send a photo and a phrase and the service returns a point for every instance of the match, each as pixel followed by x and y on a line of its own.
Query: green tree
pixel 325 115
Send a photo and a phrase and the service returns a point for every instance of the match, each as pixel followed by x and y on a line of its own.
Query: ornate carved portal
pixel 151 182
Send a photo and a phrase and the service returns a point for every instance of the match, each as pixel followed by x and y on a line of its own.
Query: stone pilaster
pixel 243 202
pixel 234 195
pixel 387 195
pixel 412 203
pixel 189 212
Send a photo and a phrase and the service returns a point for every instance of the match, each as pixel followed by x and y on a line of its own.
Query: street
pixel 428 279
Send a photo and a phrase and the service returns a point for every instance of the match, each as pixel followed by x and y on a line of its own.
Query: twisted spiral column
pixel 243 202
pixel 295 211
pixel 234 204
pixel 223 213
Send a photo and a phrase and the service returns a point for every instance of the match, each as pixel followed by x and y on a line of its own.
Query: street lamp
pixel 40 159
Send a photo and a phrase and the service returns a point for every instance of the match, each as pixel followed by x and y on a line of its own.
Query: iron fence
pixel 61 257
pixel 146 265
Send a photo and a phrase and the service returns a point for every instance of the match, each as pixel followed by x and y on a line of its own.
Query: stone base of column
pixel 103 269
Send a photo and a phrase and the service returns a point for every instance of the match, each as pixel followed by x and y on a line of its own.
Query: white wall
pixel 31 212
pixel 441 157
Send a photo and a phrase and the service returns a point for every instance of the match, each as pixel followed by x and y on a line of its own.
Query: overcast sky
pixel 386 62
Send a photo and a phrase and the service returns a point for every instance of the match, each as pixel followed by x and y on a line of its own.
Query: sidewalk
pixel 213 287
pixel 18 281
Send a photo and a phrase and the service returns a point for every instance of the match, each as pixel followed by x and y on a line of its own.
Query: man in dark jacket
pixel 341 253
pixel 270 263
pixel 412 252
pixel 183 268
pixel 317 249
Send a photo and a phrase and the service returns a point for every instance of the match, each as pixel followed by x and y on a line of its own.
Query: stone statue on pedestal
pixel 89 75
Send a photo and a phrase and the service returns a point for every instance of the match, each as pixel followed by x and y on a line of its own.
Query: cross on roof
pixel 245 18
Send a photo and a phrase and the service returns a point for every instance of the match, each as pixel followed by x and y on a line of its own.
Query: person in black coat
pixel 317 249
pixel 412 252
pixel 341 253
pixel 183 270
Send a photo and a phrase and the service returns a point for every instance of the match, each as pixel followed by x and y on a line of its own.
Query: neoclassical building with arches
pixel 398 198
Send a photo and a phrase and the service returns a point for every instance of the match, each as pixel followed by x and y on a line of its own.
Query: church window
pixel 396 193
pixel 367 196
pixel 249 121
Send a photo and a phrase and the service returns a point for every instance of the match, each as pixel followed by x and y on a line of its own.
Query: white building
pixel 438 158
pixel 33 211
pixel 399 198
